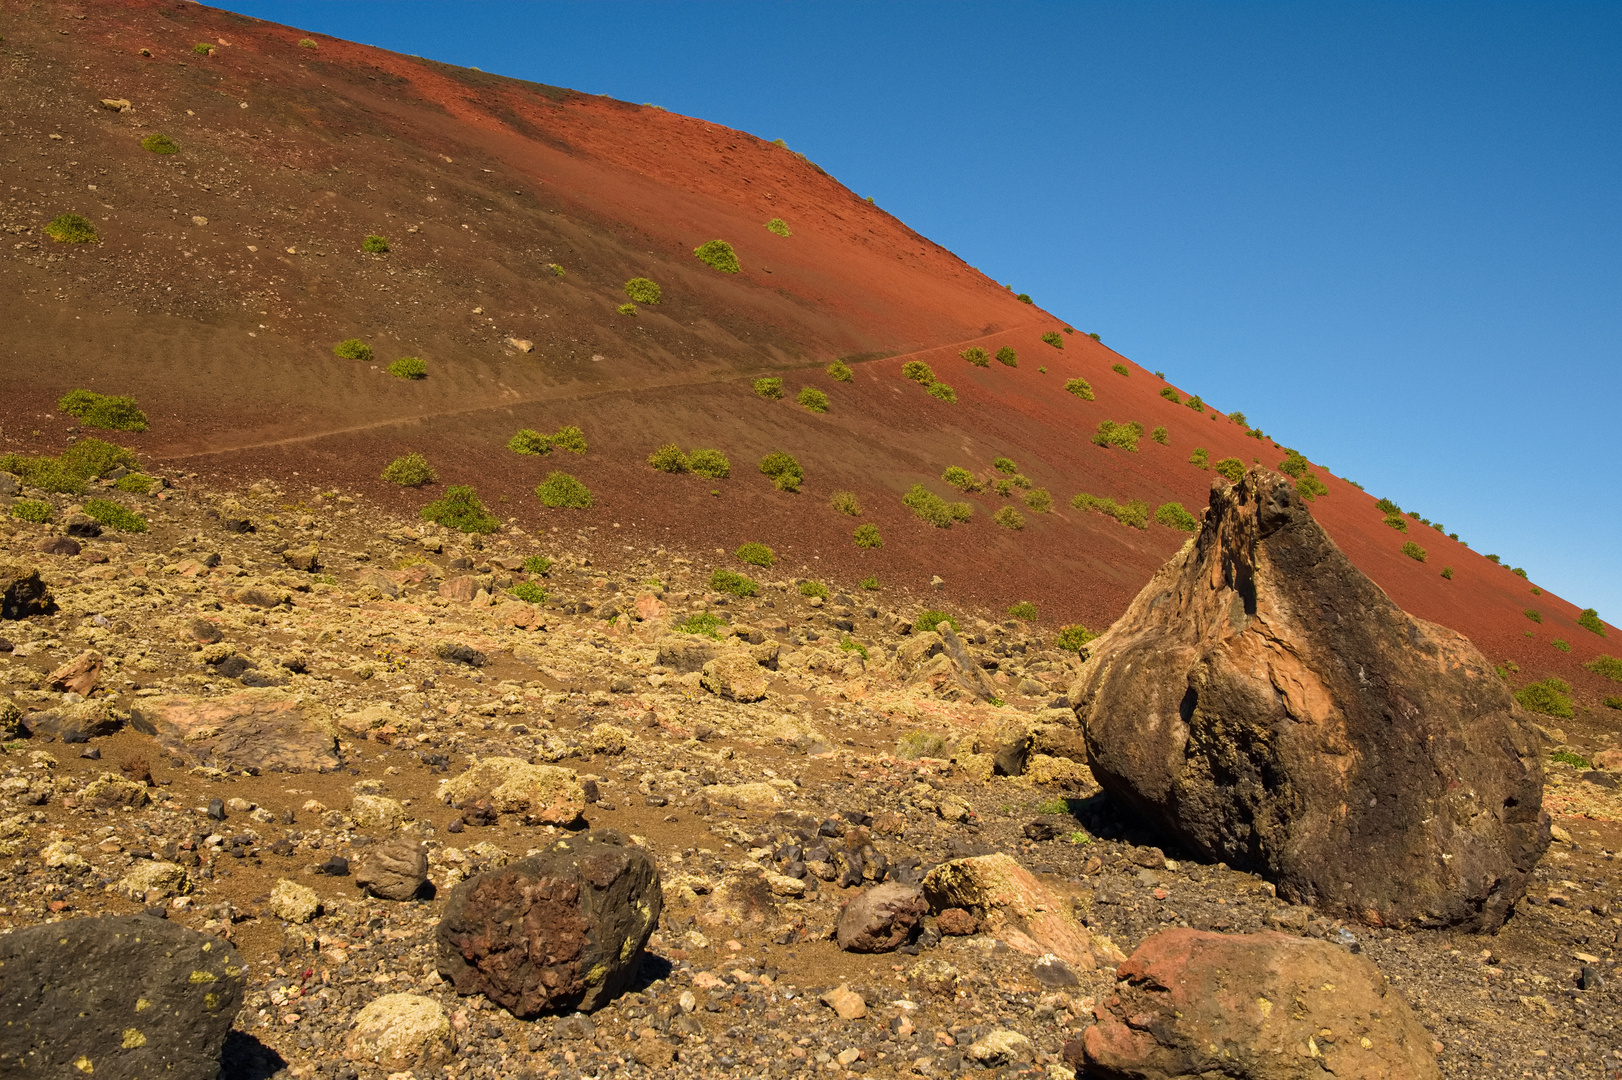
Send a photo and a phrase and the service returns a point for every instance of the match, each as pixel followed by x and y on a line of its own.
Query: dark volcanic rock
pixel 1267 704
pixel 881 918
pixel 22 593
pixel 556 931
pixel 123 997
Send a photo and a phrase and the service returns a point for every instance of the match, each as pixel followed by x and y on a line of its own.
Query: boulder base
pixel 1267 704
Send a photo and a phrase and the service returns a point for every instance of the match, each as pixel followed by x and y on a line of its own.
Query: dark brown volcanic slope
pixel 226 272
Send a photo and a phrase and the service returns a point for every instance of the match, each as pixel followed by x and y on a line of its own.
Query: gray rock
pixel 394 871
pixel 124 997
pixel 457 653
pixel 561 930
pixel 684 653
pixel 881 918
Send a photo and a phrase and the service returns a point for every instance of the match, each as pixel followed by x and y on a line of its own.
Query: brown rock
pixel 461 587
pixel 881 918
pixel 382 582
pixel 80 675
pixel 955 922
pixel 260 597
pixel 543 794
pixel 204 632
pixel 394 871
pixel 306 558
pixel 684 652
pixel 76 723
pixel 847 1003
pixel 1267 704
pixel 22 593
pixel 1018 909
pixel 736 676
pixel 58 545
pixel 1263 1006
pixel 268 730
pixel 649 608
pixel 1609 760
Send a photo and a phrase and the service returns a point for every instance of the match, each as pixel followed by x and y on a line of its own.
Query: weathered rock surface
pixel 401 1031
pixel 1009 902
pixel 268 730
pixel 125 997
pixel 881 918
pixel 736 676
pixel 545 794
pixel 1189 1003
pixel 22 592
pixel 394 871
pixel 294 902
pixel 76 723
pixel 80 674
pixel 1267 704
pixel 560 930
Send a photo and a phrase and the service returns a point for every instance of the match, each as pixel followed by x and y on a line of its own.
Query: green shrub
pixel 1174 516
pixel 570 438
pixel 928 507
pixel 710 463
pixel 850 644
pixel 375 244
pixel 1397 521
pixel 1311 487
pixel 1295 465
pixel 528 592
pixel 769 388
pixel 1079 387
pixel 158 143
pixel 1073 638
pixel 1005 466
pixel 1239 418
pixel 459 508
pixel 1200 458
pixel 557 271
pixel 733 584
pixel 960 511
pixel 306 43
pixel 45 473
pixel 643 290
pixel 1492 558
pixel 1566 757
pixel 756 554
pixel 1561 645
pixel 1052 338
pixel 409 367
pixel 1110 433
pixel 1161 436
pixel 701 623
pixel 719 255
pixel 1231 469
pixel 1019 480
pixel 203 48
pixel 867 536
pixel 1023 610
pixel 32 510
pixel 1533 614
pixel 626 309
pixel 103 411
pixel 871 583
pixel 977 356
pixel 560 490
pixel 930 620
pixel 779 226
pixel 1386 506
pixel 1195 403
pixel 669 458
pixel 1039 500
pixel 1007 356
pixel 409 470
pixel 1170 395
pixel 813 588
pixel 1122 369
pixel 1589 620
pixel 960 478
pixel 1608 666
pixel 845 502
pixel 352 349
pixel 1547 697
pixel 1009 518
pixel 71 229
pixel 530 441
pixel 1413 551
pixel 942 392
pixel 918 372
pixel 1025 298
pixel 813 400
pixel 138 484
pixel 1133 513
pixel 537 564
pixel 94 457
pixel 839 371
pixel 1447 572
pixel 1613 703
pixel 785 472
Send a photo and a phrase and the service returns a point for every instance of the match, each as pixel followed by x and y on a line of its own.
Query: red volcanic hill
pixel 225 273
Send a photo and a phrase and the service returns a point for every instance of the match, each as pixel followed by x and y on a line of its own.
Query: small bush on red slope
pixel 1613 703
pixel 352 349
pixel 960 511
pixel 1009 518
pixel 409 367
pixel 785 472
pixel 159 143
pixel 930 621
pixel 1413 551
pixel 1007 356
pixel 528 592
pixel 942 392
pixel 928 506
pixel 1125 436
pixel 643 290
pixel 1547 697
pixel 669 459
pixel 71 229
pixel 1005 466
pixel 1589 620
pixel 103 410
pixel 1533 614
pixel 1397 521
pixel 1200 458
pixel 1386 506
pixel 626 309
pixel 769 388
pixel 1174 516
pixel 1447 572
pixel 710 463
pixel 1079 387
pixel 814 588
pixel 306 43
pixel 570 438
pixel 1025 298
pixel 867 536
pixel 813 400
pixel 1563 646
pixel 114 515
pixel 779 226
pixel 1231 469
pixel 756 554
pixel 1293 465
pixel 1133 513
pixel 375 244
pixel 845 502
pixel 719 255
pixel 530 441
pixel 1039 500
pixel 1073 638
pixel 839 371
pixel 1121 369
pixel 1196 404
pixel 203 48
pixel 1023 610
pixel 1052 338
pixel 918 372
pixel 1161 436
pixel 459 508
pixel 977 356
pixel 960 478
pixel 1311 487
pixel 1170 395
pixel 1608 666
pixel 409 470
pixel 561 491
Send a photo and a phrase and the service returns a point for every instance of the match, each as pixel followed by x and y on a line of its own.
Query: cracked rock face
pixel 1270 706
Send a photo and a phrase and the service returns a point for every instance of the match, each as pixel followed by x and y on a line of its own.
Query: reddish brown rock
pixel 1008 901
pixel 1266 1006
pixel 881 918
pixel 1267 704
pixel 462 587
pixel 955 922
pixel 265 730
pixel 80 675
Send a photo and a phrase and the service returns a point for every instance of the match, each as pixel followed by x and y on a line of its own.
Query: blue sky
pixel 1391 234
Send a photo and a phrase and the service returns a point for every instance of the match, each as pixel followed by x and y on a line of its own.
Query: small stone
pixel 956 922
pixel 1000 1047
pixel 58 545
pixel 1590 978
pixel 394 871
pixel 294 902
pixel 401 1031
pixel 216 809
pixel 151 881
pixel 306 558
pixel 1053 972
pixel 844 1001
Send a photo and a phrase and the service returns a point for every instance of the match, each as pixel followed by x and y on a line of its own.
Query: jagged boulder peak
pixel 1266 703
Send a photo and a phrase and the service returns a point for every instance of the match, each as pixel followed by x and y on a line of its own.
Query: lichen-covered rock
pixel 401 1031
pixel 268 730
pixel 560 930
pixel 294 902
pixel 760 795
pixel 110 789
pixel 546 794
pixel 736 676
pixel 150 882
pixel 117 996
pixel 685 652
pixel 10 718
pixel 1266 703
pixel 1010 903
pixel 609 739
pixel 75 723
pixel 376 812
pixel 22 592
pixel 78 675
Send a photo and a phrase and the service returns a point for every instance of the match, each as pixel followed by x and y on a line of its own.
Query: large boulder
pixel 1268 705
pixel 257 730
pixel 560 930
pixel 119 996
pixel 543 794
pixel 22 593
pixel 1190 1004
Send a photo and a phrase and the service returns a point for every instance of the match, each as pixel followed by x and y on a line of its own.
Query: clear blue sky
pixel 1390 234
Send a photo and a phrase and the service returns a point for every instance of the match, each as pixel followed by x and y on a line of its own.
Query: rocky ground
pixel 769 771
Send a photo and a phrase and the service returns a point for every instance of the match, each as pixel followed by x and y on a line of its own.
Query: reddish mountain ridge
pixel 225 273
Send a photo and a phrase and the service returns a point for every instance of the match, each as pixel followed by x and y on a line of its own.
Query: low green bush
pixel 733 584
pixel 930 620
pixel 1039 500
pixel 409 367
pixel 537 564
pixel 1073 638
pixel 1231 469
pixel 942 392
pixel 701 623
pixel 1397 521
pixel 839 371
pixel 1239 418
pixel 1561 645
pixel 1170 395
pixel 94 457
pixel 784 471
pixel 1491 558
pixel 710 463
pixel 771 389
pixel 1009 518
pixel 1386 506
pixel 719 255
pixel 1133 513
pixel 813 588
pixel 1161 436
pixel 918 372
pixel 1589 620
pixel 561 491
pixel 203 48
pixel 1310 487
pixel 1295 465
pixel 1020 481
pixel 1613 703
pixel 138 484
pixel 159 143
pixel 1566 757
pixel 626 309
pixel 669 459
pixel 1174 516
pixel 643 290
pixel 871 583
pixel 1447 572
pixel 306 43
pixel 928 507
pixel 1533 614
pixel 779 226
pixel 530 441
pixel 32 510
pixel 1111 433
pixel 1007 356
pixel 1195 403
pixel 528 592
pixel 570 438
pixel 1079 387
pixel 960 511
pixel 557 271
pixel 105 411
pixel 352 349
pixel 1547 697
pixel 375 244
pixel 1413 551
pixel 1608 666
pixel 756 554
pixel 960 478
pixel 1023 610
pixel 977 356
pixel 71 229
pixel 867 536
pixel 850 644
pixel 1052 338
pixel 459 508
pixel 1005 466
pixel 1200 458
pixel 409 470
pixel 813 400
pixel 1122 369
pixel 846 503
pixel 1025 298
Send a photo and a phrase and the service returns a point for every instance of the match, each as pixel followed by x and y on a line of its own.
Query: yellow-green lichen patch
pixel 133 1039
pixel 201 977
pixel 142 1004
pixel 595 975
